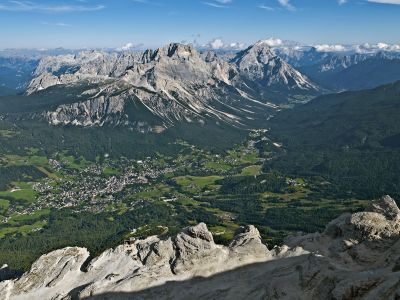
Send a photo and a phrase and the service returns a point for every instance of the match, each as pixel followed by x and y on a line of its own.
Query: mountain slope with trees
pixel 351 139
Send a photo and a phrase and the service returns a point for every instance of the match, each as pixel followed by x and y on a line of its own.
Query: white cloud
pixel 129 46
pixel 17 6
pixel 217 4
pixel 382 46
pixel 341 2
pixel 372 48
pixel 330 48
pixel 363 48
pixel 265 7
pixel 286 4
pixel 395 2
pixel 272 42
pixel 59 24
pixel 219 44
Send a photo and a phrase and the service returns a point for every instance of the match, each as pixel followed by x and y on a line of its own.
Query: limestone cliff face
pixel 174 83
pixel 356 257
pixel 261 65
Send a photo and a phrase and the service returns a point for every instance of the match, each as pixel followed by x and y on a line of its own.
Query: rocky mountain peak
pixel 259 53
pixel 264 68
pixel 200 231
pixel 175 50
pixel 147 56
pixel 379 221
pixel 174 83
pixel 387 207
pixel 210 56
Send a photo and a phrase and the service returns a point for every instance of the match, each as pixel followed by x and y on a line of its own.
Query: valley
pixel 107 146
pixel 225 188
pixel 202 149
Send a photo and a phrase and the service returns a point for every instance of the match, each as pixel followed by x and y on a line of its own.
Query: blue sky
pixel 151 23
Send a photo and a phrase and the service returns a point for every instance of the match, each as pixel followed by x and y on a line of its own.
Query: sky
pixel 153 23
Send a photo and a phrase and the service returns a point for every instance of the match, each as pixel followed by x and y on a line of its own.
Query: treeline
pixel 271 182
pixel 298 219
pixel 92 143
pixel 351 172
pixel 9 174
pixel 97 232
pixel 350 139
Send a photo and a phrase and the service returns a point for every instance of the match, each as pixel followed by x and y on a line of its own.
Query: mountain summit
pixel 267 73
pixel 172 84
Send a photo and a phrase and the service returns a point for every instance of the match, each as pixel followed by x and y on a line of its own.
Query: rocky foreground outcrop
pixel 356 257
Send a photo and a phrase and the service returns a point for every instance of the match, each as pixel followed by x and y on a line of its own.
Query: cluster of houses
pixel 90 189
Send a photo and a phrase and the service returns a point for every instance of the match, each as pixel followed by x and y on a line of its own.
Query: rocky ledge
pixel 356 257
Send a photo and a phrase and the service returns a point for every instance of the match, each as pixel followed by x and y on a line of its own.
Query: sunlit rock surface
pixel 356 257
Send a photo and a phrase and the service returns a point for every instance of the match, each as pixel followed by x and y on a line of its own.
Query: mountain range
pixel 15 74
pixel 184 93
pixel 152 90
pixel 285 139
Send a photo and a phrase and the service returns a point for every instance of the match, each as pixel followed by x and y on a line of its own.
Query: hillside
pixel 15 74
pixel 350 138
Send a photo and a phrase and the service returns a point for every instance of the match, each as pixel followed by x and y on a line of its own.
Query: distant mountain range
pixel 331 67
pixel 17 67
pixel 152 90
pixel 15 74
pixel 345 71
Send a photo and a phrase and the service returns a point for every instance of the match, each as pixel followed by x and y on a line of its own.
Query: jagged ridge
pixel 175 83
pixel 355 257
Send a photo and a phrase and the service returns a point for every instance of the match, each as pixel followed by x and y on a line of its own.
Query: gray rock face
pixel 245 238
pixel 381 221
pixel 356 257
pixel 95 111
pixel 387 207
pixel 260 64
pixel 174 83
pixel 265 74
